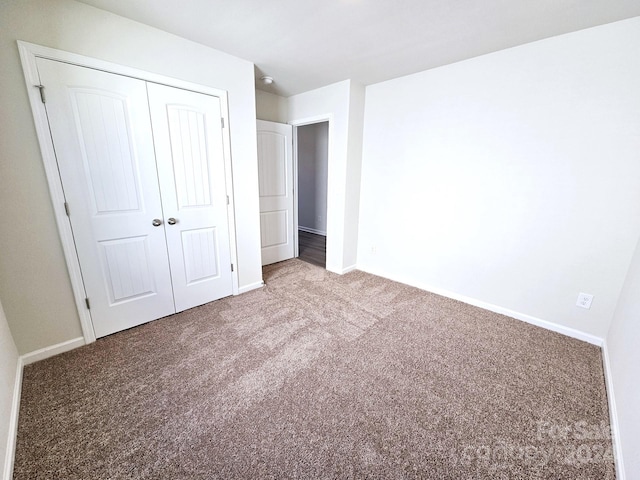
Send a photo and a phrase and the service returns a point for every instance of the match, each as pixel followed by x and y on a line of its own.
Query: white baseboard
pixel 23 360
pixel 348 269
pixel 13 424
pixel 47 352
pixel 312 230
pixel 252 286
pixel 554 327
pixel 613 413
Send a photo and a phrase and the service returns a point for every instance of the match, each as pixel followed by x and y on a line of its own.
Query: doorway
pixel 312 154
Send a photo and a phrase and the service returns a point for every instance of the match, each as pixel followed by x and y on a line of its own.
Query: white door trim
pixel 300 123
pixel 296 187
pixel 28 54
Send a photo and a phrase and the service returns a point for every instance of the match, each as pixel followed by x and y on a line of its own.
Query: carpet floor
pixel 320 376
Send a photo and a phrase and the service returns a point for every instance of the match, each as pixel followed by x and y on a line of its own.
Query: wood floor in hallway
pixel 312 248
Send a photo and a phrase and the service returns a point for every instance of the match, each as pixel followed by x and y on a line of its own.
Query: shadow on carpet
pixel 320 376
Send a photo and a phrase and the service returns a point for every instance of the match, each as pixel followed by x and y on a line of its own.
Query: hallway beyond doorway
pixel 312 248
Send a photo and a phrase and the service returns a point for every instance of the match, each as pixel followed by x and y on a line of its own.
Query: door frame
pixel 28 54
pixel 301 123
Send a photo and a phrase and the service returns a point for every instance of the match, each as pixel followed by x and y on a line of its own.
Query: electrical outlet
pixel 584 300
pixel 374 249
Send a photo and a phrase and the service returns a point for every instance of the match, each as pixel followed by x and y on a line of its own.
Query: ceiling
pixel 306 44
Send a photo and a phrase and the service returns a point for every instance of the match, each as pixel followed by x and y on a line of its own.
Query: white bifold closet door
pixel 149 219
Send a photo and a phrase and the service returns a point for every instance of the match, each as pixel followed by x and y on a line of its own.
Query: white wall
pixel 354 174
pixel 8 370
pixel 271 107
pixel 313 143
pixel 334 103
pixel 624 367
pixel 34 284
pixel 511 179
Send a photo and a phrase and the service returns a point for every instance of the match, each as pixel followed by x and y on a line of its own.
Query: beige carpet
pixel 320 376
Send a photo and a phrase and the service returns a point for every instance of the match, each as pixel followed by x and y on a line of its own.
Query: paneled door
pixel 104 146
pixel 275 178
pixel 149 220
pixel 189 150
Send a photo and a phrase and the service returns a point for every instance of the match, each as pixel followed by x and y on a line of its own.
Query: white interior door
pixel 189 150
pixel 275 176
pixel 104 147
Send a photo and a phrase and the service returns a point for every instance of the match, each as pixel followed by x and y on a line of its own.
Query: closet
pixel 143 173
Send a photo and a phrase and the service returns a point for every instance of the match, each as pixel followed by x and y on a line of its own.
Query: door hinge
pixel 86 300
pixel 41 88
pixel 66 208
pixel 222 121
pixel 227 199
pixel 232 267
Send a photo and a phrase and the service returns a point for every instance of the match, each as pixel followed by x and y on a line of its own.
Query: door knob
pixel 172 221
pixel 156 222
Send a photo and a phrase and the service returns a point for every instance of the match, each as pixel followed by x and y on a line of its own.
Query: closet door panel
pixel 191 169
pixel 102 136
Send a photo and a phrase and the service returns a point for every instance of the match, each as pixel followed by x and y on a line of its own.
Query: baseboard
pixel 13 424
pixel 613 413
pixel 252 286
pixel 312 230
pixel 348 269
pixel 51 351
pixel 554 327
pixel 23 360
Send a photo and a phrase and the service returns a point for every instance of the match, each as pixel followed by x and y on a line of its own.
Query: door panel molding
pixel 29 52
pixel 277 191
pixel 122 255
pixel 188 143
